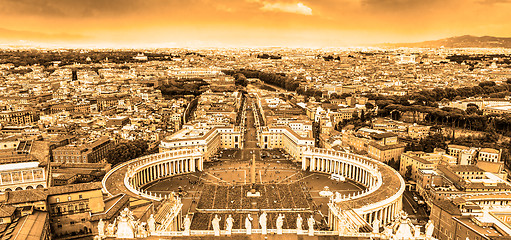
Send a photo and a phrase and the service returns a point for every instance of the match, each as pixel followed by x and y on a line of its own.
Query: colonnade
pixel 163 169
pixel 365 171
pixel 385 214
pixel 357 173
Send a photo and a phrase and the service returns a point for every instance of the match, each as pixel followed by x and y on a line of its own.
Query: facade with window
pixel 21 176
pixel 85 153
pixel 71 206
pixel 208 140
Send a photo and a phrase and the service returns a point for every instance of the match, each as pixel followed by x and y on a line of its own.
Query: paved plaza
pixel 222 187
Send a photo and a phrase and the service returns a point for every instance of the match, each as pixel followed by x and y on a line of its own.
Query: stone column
pixel 385 215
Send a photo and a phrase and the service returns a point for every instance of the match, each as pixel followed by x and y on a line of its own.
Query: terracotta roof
pixel 6 211
pixel 447 206
pixel 386 147
pixel 382 135
pixel 465 168
pixel 30 227
pixel 74 188
pixel 22 196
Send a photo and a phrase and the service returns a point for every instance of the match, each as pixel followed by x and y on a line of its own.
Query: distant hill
pixel 466 41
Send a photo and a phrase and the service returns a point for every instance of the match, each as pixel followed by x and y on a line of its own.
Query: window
pixel 57 199
pixel 69 198
pixel 80 196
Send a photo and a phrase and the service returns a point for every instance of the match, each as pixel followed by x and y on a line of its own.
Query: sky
pixel 248 23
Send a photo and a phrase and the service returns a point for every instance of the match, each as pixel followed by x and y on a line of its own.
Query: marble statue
pixel 186 223
pixel 417 232
pixel 343 226
pixel 299 221
pixel 311 223
pixel 216 225
pixel 124 226
pixel 248 224
pixel 229 222
pixel 262 222
pixel 141 230
pixel 280 223
pixel 387 231
pixel 376 225
pixel 429 229
pixel 101 228
pixel 338 197
pixel 151 224
pixel 111 228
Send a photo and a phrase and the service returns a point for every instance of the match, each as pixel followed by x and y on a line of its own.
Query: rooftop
pixel 18 166
pixel 74 188
pixel 23 196
pixel 489 150
pixel 465 168
pixel 30 227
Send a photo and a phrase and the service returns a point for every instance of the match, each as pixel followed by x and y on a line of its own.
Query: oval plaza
pixel 232 185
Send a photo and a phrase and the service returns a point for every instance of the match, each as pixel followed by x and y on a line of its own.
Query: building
pixel 467 156
pixel 287 139
pixel 461 219
pixel 416 161
pixel 208 140
pixel 91 152
pixel 117 121
pixel 416 131
pixel 31 226
pixel 455 150
pixel 468 171
pixel 427 179
pixel 385 147
pixel 21 176
pixel 71 206
pixel 489 155
pixel 24 117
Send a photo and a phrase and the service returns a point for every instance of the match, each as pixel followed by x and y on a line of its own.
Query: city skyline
pixel 248 23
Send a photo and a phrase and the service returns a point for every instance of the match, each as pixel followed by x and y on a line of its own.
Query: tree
pixel 125 151
pixel 487 84
pixel 408 173
pixel 362 116
pixel 432 141
pixel 472 109
pixel 240 79
pixel 369 106
pixel 394 163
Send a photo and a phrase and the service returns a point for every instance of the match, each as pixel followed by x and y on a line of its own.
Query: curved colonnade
pixel 382 198
pixel 146 169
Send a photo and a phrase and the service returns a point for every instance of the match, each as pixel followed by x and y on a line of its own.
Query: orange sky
pixel 224 23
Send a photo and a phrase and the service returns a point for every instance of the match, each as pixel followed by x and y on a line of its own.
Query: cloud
pixel 34 35
pixel 298 8
pixel 491 2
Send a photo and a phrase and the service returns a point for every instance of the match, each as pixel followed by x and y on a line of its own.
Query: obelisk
pixel 252 171
pixel 253 192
